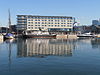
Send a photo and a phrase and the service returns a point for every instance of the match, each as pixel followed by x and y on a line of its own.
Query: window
pixel 35 22
pixel 28 19
pixel 28 27
pixel 42 27
pixel 38 22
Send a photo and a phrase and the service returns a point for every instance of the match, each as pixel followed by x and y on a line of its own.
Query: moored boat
pixel 86 35
pixel 38 34
pixel 9 36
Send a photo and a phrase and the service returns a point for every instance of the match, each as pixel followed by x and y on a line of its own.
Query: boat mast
pixel 9 21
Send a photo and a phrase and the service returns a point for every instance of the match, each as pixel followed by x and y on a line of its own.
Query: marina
pixel 54 37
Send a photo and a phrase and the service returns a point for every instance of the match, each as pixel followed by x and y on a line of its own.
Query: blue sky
pixel 83 10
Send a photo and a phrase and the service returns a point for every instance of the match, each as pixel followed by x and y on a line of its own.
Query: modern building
pixel 49 23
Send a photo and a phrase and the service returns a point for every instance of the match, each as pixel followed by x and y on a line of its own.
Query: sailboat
pixel 9 35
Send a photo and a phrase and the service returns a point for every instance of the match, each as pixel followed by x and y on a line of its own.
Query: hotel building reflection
pixel 44 47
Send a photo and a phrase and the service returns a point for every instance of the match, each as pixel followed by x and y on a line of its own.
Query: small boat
pixel 9 36
pixel 38 34
pixel 86 35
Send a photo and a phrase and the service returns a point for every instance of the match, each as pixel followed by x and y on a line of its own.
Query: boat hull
pixel 39 36
pixel 84 36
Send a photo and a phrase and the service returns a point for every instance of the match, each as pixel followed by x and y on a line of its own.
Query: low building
pixel 95 29
pixel 4 29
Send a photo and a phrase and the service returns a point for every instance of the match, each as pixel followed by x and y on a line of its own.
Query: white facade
pixel 29 22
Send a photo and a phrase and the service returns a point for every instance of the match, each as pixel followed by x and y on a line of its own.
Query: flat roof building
pixel 50 23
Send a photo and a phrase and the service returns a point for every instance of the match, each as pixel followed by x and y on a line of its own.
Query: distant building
pixel 96 29
pixel 14 28
pixel 49 23
pixel 95 22
pixel 4 29
pixel 82 29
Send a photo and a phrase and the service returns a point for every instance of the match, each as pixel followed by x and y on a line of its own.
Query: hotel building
pixel 49 23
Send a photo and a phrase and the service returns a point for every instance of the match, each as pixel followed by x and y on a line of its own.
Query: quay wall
pixel 66 36
pixel 1 38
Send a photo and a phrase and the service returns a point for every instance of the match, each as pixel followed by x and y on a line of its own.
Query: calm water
pixel 50 57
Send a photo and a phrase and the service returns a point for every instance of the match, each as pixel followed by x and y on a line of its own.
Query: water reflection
pixel 95 43
pixel 45 47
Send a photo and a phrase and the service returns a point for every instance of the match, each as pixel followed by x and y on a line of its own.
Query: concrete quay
pixel 1 38
pixel 68 36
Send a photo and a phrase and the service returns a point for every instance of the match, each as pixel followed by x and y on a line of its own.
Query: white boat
pixel 38 34
pixel 86 35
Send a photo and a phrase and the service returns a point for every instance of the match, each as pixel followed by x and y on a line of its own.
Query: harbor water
pixel 50 57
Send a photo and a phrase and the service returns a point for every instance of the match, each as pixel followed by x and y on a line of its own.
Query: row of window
pixel 53 25
pixel 46 23
pixel 49 17
pixel 21 22
pixel 35 27
pixel 35 17
pixel 51 20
